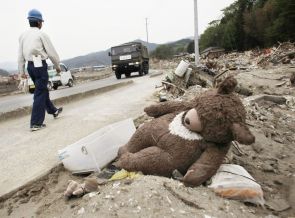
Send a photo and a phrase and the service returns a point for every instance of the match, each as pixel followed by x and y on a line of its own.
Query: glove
pixel 76 189
pixel 58 70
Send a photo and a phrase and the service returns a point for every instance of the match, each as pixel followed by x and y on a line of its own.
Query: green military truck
pixel 129 57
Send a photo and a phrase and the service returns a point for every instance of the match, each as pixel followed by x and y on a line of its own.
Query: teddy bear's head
pixel 219 115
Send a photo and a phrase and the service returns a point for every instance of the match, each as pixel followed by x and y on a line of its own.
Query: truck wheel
pixel 70 83
pixel 140 72
pixel 146 68
pixel 118 74
pixel 55 86
pixel 127 75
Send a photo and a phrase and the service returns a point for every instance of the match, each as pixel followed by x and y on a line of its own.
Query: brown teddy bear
pixel 192 137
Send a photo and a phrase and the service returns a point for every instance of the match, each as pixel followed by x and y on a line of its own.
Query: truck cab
pixel 128 58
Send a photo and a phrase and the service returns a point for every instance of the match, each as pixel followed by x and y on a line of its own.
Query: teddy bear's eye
pixel 187 121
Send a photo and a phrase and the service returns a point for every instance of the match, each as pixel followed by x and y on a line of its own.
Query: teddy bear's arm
pixel 206 166
pixel 157 110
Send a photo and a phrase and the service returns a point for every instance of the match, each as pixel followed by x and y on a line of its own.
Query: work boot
pixel 37 127
pixel 57 112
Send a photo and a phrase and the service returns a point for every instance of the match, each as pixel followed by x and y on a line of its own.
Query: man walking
pixel 35 47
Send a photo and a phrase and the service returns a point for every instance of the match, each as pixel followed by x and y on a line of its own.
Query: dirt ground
pixel 146 196
pixel 270 160
pixel 86 76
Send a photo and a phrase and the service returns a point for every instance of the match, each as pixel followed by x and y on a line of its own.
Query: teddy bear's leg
pixel 206 166
pixel 151 160
pixel 140 139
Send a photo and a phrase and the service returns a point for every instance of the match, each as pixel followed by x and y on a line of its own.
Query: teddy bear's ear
pixel 242 134
pixel 227 86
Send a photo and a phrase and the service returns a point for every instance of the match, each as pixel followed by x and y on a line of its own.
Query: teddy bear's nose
pixel 187 121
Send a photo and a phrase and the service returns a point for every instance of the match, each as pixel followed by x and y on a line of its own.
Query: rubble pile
pixel 253 59
pixel 231 61
pixel 269 115
pixel 264 76
pixel 175 85
pixel 163 64
pixel 283 54
pixel 271 158
pixel 213 70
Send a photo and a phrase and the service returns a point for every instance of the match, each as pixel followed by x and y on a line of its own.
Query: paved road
pixel 9 103
pixel 25 155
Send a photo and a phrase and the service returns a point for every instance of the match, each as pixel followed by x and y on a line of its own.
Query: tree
pixel 191 47
pixel 283 26
pixel 163 52
pixel 211 36
pixel 250 23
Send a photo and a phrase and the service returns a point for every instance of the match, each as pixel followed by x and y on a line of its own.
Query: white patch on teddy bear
pixel 176 127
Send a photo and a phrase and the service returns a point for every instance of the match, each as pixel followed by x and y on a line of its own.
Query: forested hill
pixel 252 23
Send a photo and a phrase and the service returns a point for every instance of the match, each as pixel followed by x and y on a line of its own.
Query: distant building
pixel 212 52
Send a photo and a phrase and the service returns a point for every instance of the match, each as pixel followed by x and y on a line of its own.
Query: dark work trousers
pixel 42 102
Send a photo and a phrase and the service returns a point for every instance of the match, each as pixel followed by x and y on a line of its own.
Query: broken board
pixel 95 151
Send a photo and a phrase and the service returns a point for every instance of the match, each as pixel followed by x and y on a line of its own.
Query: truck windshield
pixel 123 50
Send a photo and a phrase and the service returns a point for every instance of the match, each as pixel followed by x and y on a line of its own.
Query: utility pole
pixel 147 32
pixel 197 55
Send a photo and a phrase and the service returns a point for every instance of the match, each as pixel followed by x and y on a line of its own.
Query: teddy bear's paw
pixel 190 179
pixel 123 161
pixel 117 164
pixel 74 188
pixel 79 191
pixel 152 111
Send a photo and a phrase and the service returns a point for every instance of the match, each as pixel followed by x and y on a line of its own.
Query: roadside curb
pixel 42 176
pixel 20 112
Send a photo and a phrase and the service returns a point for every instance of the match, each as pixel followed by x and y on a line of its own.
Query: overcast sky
pixel 78 27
